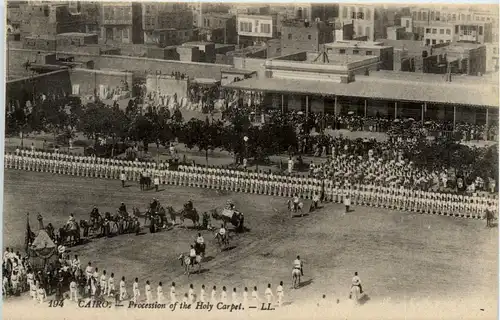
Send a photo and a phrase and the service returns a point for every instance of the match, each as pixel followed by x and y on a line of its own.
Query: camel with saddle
pixel 230 215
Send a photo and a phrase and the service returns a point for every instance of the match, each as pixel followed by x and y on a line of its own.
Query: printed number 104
pixel 56 303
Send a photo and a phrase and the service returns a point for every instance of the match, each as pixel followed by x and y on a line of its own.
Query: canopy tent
pixel 42 251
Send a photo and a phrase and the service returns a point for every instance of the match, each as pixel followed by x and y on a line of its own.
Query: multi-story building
pixel 121 22
pixel 302 35
pixel 48 19
pixel 219 28
pixel 369 21
pixel 364 48
pixel 316 11
pixel 199 9
pixel 163 16
pixel 256 29
pixel 171 37
pixel 91 16
pixel 468 31
pixel 492 54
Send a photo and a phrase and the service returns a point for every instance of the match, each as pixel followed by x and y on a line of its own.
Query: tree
pixel 237 126
pixel 96 121
pixel 205 135
pixel 141 129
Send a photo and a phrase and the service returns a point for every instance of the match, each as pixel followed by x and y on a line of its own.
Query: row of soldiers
pixel 378 195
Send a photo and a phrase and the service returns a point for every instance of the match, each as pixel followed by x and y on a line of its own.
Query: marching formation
pixel 378 194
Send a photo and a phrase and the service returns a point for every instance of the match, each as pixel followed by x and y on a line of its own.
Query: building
pixel 170 37
pixel 343 31
pixel 385 54
pixel 439 32
pixel 164 16
pixel 462 58
pixel 121 22
pixel 369 21
pixel 14 17
pixel 206 50
pixel 200 9
pixel 219 28
pixel 256 29
pixel 396 32
pixel 48 19
pixel 304 35
pixel 492 53
pixel 315 11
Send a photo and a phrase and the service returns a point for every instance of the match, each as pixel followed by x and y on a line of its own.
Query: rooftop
pixel 219 15
pixel 256 16
pixel 355 43
pixel 370 87
pixel 76 34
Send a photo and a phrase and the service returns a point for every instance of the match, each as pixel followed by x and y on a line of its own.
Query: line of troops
pixel 474 206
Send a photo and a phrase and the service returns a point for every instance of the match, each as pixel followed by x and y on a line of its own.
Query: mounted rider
pixel 122 209
pixel 356 282
pixel 71 221
pixel 189 205
pixel 297 264
pixel 296 202
pixel 200 240
pixel 192 254
pixel 94 215
pixel 154 205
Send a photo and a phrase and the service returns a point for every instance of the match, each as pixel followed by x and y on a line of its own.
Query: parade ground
pixel 401 257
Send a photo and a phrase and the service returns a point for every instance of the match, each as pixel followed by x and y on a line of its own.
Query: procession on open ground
pixel 236 157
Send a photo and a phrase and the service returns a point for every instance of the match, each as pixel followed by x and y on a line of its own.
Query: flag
pixel 30 236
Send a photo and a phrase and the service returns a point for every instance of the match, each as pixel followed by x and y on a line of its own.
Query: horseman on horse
pixel 199 245
pixel 154 205
pixel 188 206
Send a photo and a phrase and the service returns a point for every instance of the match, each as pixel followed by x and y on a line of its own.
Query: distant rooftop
pixel 219 15
pixel 355 43
pixel 76 34
pixel 256 16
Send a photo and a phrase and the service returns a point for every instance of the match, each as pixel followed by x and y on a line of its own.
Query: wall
pixel 121 63
pixel 257 65
pixel 90 80
pixel 167 85
pixel 57 82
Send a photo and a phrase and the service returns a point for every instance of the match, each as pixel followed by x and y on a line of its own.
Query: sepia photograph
pixel 187 160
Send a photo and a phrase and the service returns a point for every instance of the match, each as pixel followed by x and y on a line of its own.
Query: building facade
pixel 316 11
pixel 384 53
pixel 219 28
pixel 121 22
pixel 256 29
pixel 301 35
pixel 158 17
pixel 369 21
pixel 48 19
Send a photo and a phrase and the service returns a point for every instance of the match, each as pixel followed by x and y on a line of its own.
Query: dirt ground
pixel 408 261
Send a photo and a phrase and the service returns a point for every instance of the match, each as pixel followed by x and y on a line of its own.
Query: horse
pixel 355 294
pixel 223 241
pixel 292 209
pixel 187 264
pixel 237 218
pixel 70 233
pixel 191 215
pixel 296 274
pixel 490 218
pixel 172 213
pixel 145 183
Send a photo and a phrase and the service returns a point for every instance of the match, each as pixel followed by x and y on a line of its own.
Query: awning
pixel 382 89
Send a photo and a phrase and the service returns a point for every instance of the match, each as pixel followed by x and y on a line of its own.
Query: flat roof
pixel 356 43
pixel 256 16
pixel 376 88
pixel 77 34
pixel 238 71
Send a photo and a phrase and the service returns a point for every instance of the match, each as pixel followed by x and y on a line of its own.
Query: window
pixel 480 30
pixel 441 31
pixel 246 26
pixel 438 15
pixel 125 33
pixel 448 31
pixel 344 12
pixel 265 28
pixel 441 41
pixel 289 36
pixel 407 23
pixel 368 14
pixel 353 15
pixel 428 30
pixel 433 41
pixel 434 30
pixel 427 42
pixel 355 51
pixel 424 15
pixel 360 15
pixel 468 17
pixel 367 32
pixel 414 15
pixel 419 15
pixel 448 17
pixel 369 53
pixel 432 15
pixel 456 29
pixel 342 51
pixel 309 37
pixel 454 17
